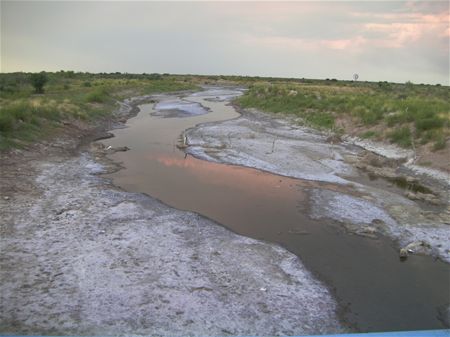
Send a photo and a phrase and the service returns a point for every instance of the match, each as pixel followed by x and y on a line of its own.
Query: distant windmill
pixel 355 77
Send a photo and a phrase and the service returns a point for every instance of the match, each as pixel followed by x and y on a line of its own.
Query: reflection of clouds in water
pixel 220 174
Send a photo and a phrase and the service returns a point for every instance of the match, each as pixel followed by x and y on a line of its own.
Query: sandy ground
pixel 79 256
pixel 420 222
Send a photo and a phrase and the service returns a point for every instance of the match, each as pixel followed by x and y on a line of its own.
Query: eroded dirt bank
pixel 80 256
pixel 418 217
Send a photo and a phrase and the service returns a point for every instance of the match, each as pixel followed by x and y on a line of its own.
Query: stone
pixel 427 197
pixel 403 254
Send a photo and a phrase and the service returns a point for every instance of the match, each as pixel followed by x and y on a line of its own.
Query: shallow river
pixel 376 291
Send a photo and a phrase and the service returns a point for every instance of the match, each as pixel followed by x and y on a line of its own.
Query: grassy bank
pixel 406 114
pixel 410 115
pixel 26 116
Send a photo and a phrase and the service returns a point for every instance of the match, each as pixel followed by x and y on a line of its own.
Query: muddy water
pixel 376 291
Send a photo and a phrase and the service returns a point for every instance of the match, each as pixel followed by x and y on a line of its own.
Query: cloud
pixel 311 45
pixel 404 29
pixel 306 39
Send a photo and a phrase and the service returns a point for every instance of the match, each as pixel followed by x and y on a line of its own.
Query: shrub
pixel 368 134
pixel 97 96
pixel 320 119
pixel 38 80
pixel 440 143
pixel 6 122
pixel 401 136
pixel 154 76
pixel 429 123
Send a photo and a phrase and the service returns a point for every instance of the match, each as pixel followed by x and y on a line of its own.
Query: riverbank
pixel 417 215
pixel 80 256
pixel 414 117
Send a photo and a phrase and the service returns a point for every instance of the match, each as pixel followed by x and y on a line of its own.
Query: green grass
pixel 369 134
pixel 407 112
pixel 320 120
pixel 439 143
pixel 98 95
pixel 401 136
pixel 22 121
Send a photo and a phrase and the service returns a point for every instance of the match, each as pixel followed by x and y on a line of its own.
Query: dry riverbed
pixel 80 256
pixel 417 217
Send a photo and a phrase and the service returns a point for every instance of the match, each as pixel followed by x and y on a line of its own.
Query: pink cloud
pixel 292 43
pixel 347 44
pixel 392 30
pixel 399 30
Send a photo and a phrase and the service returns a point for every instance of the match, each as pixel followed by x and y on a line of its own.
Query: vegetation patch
pixel 369 134
pixel 401 136
pixel 405 114
pixel 33 106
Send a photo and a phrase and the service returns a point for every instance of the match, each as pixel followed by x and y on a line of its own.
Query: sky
pixel 394 41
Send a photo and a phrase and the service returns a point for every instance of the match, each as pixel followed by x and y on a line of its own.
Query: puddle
pixel 376 291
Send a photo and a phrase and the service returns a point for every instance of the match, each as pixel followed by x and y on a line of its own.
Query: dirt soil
pixel 79 256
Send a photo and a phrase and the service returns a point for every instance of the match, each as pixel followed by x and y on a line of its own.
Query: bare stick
pixel 273 145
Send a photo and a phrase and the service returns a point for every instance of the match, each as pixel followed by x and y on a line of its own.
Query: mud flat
pixel 80 256
pixel 419 222
pixel 315 218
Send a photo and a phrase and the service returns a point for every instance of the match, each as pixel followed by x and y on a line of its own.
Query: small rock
pixel 6 198
pixel 334 139
pixel 427 197
pixel 416 247
pixel 403 254
pixel 417 244
pixel 121 148
pixel 377 222
pixel 444 314
pixel 367 231
pixel 411 180
pixel 111 149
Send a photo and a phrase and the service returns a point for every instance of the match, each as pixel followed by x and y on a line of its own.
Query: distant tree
pixel 154 76
pixel 38 81
pixel 69 73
